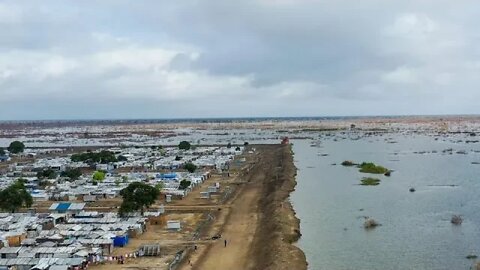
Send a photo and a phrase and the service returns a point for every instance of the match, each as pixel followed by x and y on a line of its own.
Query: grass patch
pixel 369 167
pixel 369 181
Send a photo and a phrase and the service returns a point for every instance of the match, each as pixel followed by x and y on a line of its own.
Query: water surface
pixel 416 232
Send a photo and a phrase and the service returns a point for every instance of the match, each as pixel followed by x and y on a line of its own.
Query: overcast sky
pixel 200 58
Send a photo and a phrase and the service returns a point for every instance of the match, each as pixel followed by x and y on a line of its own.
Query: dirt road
pixel 238 232
pixel 249 245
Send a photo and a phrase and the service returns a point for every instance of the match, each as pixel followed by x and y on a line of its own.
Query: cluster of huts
pixel 138 164
pixel 66 237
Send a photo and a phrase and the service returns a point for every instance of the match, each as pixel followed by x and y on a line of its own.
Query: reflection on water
pixel 416 232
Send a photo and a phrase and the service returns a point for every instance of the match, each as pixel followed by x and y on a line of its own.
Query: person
pixel 225 242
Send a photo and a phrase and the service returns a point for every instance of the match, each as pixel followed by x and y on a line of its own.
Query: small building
pixel 174 225
pixel 89 198
pixel 67 208
pixel 120 240
pixel 9 252
pixel 212 189
pixel 204 195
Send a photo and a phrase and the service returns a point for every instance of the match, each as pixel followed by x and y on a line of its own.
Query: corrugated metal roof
pixel 63 206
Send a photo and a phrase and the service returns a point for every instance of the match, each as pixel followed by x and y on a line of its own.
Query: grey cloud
pixel 223 58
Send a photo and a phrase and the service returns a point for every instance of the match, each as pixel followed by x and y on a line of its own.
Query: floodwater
pixel 416 232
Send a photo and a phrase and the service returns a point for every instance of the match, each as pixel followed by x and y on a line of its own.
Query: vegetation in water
pixel 369 181
pixel 348 163
pixel 370 223
pixel 369 167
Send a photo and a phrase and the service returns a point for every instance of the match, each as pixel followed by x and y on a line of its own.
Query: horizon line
pixel 236 118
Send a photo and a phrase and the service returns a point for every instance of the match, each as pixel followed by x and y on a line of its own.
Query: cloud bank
pixel 164 59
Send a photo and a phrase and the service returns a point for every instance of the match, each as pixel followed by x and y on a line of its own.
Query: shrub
pixel 368 181
pixel 369 167
pixel 98 176
pixel 348 163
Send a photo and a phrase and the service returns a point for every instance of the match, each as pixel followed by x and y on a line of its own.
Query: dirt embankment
pixel 273 245
pixel 260 226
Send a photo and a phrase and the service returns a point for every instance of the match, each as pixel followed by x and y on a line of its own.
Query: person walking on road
pixel 225 242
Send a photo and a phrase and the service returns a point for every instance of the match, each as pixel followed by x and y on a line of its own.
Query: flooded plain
pixel 416 230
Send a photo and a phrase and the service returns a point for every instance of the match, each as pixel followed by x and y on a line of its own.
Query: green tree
pixel 124 179
pixel 190 167
pixel 160 186
pixel 137 196
pixel 184 145
pixel 46 173
pixel 103 157
pixel 15 196
pixel 72 173
pixel 184 184
pixel 229 145
pixel 98 176
pixel 122 158
pixel 16 147
pixel 2 151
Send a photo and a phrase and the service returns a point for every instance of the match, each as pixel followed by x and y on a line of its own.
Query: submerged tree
pixel 15 196
pixel 137 197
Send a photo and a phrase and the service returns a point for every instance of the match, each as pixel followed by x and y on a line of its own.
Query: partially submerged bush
pixel 370 223
pixel 456 220
pixel 369 167
pixel 369 181
pixel 348 163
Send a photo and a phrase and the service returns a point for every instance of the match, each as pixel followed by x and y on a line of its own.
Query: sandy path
pixel 239 233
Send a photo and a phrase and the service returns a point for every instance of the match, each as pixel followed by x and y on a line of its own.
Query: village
pixel 73 219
